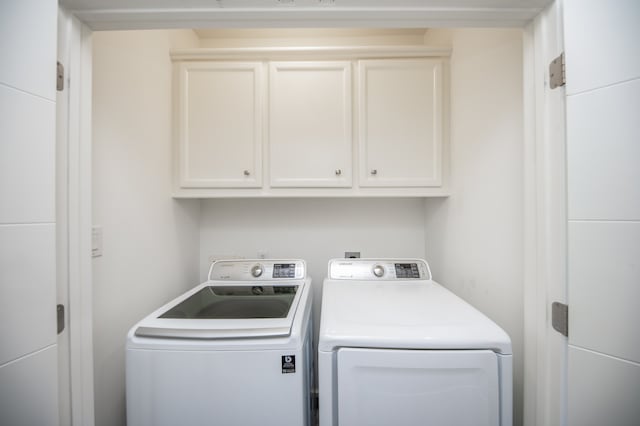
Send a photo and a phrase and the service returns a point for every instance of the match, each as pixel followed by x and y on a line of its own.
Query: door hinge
pixel 60 77
pixel 560 318
pixel 60 312
pixel 557 77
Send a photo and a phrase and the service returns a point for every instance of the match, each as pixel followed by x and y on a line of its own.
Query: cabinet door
pixel 400 130
pixel 310 124
pixel 220 125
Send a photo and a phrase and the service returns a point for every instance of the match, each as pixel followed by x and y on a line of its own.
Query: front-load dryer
pixel 235 350
pixel 397 348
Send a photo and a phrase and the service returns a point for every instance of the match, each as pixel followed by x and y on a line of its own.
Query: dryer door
pixel 414 387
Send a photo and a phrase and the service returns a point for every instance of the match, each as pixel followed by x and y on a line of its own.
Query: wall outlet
pixel 351 254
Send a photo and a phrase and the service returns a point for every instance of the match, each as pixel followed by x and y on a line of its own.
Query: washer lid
pixel 403 315
pixel 217 310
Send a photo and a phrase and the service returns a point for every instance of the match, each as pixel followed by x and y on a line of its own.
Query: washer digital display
pixel 284 270
pixel 407 270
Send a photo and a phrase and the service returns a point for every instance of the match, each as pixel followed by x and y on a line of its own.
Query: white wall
pixel 603 153
pixel 315 230
pixel 28 351
pixel 150 241
pixel 474 238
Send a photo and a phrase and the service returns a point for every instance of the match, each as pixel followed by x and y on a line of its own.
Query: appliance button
pixel 256 270
pixel 378 271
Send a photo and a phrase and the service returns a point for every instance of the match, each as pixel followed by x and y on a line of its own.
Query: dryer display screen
pixel 407 270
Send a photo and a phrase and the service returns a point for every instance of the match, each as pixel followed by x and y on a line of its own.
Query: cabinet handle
pixel 338 172
pixel 247 172
pixel 374 172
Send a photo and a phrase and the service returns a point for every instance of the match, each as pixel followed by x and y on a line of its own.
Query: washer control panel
pixel 258 270
pixel 379 269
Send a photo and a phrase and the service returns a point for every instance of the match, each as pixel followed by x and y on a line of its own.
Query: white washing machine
pixel 397 348
pixel 235 350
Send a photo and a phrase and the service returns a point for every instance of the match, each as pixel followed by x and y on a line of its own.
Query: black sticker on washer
pixel 288 364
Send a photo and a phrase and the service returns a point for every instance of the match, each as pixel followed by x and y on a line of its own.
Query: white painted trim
pixel 62 223
pixel 530 232
pixel 311 52
pixel 545 223
pixel 321 17
pixel 311 192
pixel 79 213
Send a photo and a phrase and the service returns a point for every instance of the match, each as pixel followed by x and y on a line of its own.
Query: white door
pixel 603 154
pixel 28 350
pixel 413 388
pixel 310 124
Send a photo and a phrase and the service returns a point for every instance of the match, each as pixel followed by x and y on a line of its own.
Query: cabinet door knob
pixel 338 172
pixel 374 172
pixel 247 172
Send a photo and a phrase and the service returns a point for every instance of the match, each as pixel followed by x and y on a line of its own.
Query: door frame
pixel 74 206
pixel 544 169
pixel 545 370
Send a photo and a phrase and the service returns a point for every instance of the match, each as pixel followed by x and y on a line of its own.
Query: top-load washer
pixel 397 348
pixel 234 350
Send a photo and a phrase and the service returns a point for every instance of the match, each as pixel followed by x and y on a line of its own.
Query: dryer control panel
pixel 379 269
pixel 258 270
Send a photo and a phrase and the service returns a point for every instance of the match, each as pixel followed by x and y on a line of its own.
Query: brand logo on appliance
pixel 288 364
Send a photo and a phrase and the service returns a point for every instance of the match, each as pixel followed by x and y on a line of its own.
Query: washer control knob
pixel 256 270
pixel 378 271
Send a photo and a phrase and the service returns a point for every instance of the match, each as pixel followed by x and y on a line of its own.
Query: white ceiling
pixel 141 14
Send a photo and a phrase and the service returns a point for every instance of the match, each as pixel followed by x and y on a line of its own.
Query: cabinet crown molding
pixel 310 52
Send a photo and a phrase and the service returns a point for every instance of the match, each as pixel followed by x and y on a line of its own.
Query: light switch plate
pixel 96 241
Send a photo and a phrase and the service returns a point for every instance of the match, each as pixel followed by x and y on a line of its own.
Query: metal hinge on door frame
pixel 560 318
pixel 60 316
pixel 59 77
pixel 557 77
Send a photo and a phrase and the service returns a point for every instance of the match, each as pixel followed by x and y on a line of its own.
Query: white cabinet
pixel 310 139
pixel 220 124
pixel 302 122
pixel 400 122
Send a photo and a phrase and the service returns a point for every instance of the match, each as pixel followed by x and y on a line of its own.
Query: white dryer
pixel 397 348
pixel 235 350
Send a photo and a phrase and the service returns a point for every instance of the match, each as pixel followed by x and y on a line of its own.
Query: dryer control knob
pixel 256 270
pixel 378 271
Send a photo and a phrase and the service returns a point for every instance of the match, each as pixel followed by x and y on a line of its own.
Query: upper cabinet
pixel 400 122
pixel 310 136
pixel 220 124
pixel 331 122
